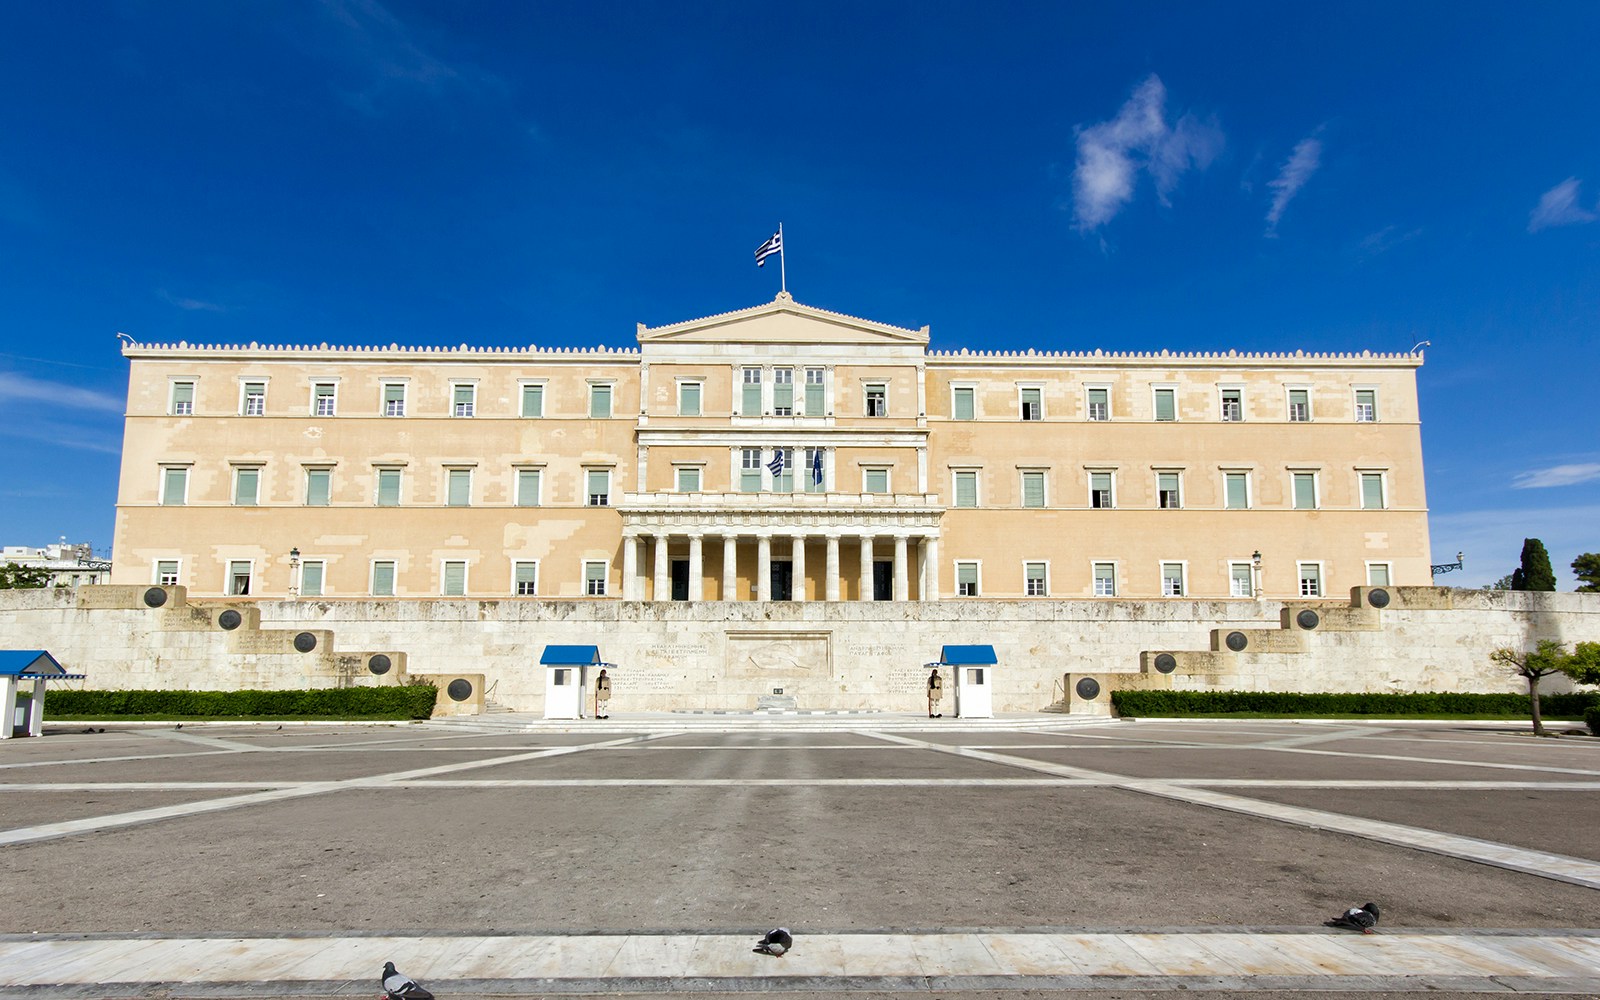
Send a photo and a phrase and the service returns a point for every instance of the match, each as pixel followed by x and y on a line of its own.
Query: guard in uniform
pixel 935 694
pixel 602 696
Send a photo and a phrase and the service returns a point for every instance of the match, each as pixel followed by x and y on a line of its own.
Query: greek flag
pixel 816 466
pixel 767 249
pixel 776 465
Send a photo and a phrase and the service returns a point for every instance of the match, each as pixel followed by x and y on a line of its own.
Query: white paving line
pixel 215 742
pixel 1560 867
pixel 1323 958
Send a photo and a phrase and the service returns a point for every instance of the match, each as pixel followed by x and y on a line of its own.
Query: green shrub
pixel 410 701
pixel 1591 718
pixel 1158 703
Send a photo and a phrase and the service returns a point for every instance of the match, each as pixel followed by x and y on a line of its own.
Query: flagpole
pixel 783 272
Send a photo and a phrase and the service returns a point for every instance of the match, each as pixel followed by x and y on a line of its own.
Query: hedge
pixel 409 701
pixel 1155 703
pixel 1591 718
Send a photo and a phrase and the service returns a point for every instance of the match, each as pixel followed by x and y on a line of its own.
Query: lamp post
pixel 294 573
pixel 1255 574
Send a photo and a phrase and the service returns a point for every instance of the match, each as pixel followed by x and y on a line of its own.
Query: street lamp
pixel 294 573
pixel 1255 573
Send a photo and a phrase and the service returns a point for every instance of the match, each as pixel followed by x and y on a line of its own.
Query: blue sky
pixel 1062 176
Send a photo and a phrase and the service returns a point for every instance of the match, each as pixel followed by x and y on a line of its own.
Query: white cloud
pixel 1492 541
pixel 22 388
pixel 190 304
pixel 384 51
pixel 78 439
pixel 1112 153
pixel 1556 475
pixel 1302 163
pixel 1559 207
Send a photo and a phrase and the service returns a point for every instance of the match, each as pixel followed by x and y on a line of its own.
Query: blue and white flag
pixel 816 466
pixel 776 465
pixel 767 249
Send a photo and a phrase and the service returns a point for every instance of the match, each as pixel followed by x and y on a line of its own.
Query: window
pixel 388 488
pixel 1033 489
pixel 319 487
pixel 594 579
pixel 1305 491
pixel 1100 490
pixel 182 402
pixel 174 487
pixel 814 393
pixel 963 406
pixel 246 486
pixel 1172 579
pixel 783 462
pixel 311 578
pixel 783 392
pixel 688 399
pixel 453 578
pixel 463 399
pixel 383 578
pixel 324 398
pixel 814 471
pixel 1377 574
pixel 239 578
pixel 966 489
pixel 688 479
pixel 1034 582
pixel 458 487
pixel 1241 583
pixel 167 572
pixel 1099 404
pixel 1105 579
pixel 532 399
pixel 1236 490
pixel 966 579
pixel 524 578
pixel 254 403
pixel 1366 405
pixel 1232 405
pixel 1168 496
pixel 599 402
pixel 1166 404
pixel 1032 403
pixel 750 470
pixel 877 400
pixel 528 487
pixel 394 399
pixel 1299 405
pixel 1310 579
pixel 750 397
pixel 599 481
pixel 875 480
pixel 1372 491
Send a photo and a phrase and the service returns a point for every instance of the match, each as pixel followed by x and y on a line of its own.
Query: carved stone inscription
pixel 775 655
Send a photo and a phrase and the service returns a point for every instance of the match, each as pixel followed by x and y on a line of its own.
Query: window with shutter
pixel 750 401
pixel 455 578
pixel 1105 579
pixel 599 402
pixel 1033 489
pixel 1172 579
pixel 877 480
pixel 174 487
pixel 1305 491
pixel 1100 490
pixel 1239 580
pixel 324 396
pixel 689 480
pixel 1372 490
pixel 1366 405
pixel 458 491
pixel 463 400
pixel 783 392
pixel 1232 405
pixel 961 403
pixel 255 399
pixel 1032 404
pixel 182 399
pixel 1099 404
pixel 1033 578
pixel 524 577
pixel 383 579
pixel 167 572
pixel 1299 405
pixel 1166 404
pixel 750 470
pixel 1167 494
pixel 599 481
pixel 246 486
pixel 966 489
pixel 1310 580
pixel 388 487
pixel 319 487
pixel 966 579
pixel 311 578
pixel 1377 574
pixel 394 399
pixel 528 487
pixel 815 406
pixel 688 399
pixel 1237 488
pixel 533 401
pixel 594 579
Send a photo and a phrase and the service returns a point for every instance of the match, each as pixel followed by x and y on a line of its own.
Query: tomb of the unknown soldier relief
pixel 778 507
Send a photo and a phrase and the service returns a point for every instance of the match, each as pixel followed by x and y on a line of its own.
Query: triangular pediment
pixel 783 321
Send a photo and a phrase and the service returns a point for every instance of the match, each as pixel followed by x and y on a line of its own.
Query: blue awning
pixel 572 656
pixel 961 656
pixel 29 664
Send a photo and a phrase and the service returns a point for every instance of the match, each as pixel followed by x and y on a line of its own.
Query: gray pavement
pixel 1248 833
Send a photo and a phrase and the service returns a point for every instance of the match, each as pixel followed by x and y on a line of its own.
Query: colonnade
pixel 640 546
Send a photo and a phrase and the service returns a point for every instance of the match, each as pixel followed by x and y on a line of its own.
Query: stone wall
pixel 850 655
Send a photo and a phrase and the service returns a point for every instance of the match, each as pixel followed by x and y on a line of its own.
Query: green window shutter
pixel 1241 584
pixel 599 488
pixel 527 487
pixel 599 402
pixel 524 582
pixel 394 392
pixel 318 487
pixel 750 404
pixel 175 488
pixel 464 398
pixel 966 489
pixel 248 489
pixel 182 398
pixel 388 487
pixel 1032 405
pixel 460 488
pixel 1166 408
pixel 877 480
pixel 1238 491
pixel 1378 575
pixel 311 579
pixel 383 579
pixel 533 401
pixel 455 579
pixel 967 574
pixel 783 396
pixel 813 397
pixel 1099 404
pixel 1299 405
pixel 688 480
pixel 1305 491
pixel 1033 573
pixel 1033 489
pixel 689 399
pixel 1371 491
pixel 1105 579
pixel 594 579
pixel 964 409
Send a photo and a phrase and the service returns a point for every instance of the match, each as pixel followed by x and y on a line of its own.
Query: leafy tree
pixel 1587 568
pixel 1535 572
pixel 1504 583
pixel 15 577
pixel 1582 665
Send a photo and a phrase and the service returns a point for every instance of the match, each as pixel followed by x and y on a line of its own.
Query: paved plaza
pixel 501 856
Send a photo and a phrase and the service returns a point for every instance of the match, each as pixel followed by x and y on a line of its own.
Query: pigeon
pixel 777 941
pixel 1363 920
pixel 399 986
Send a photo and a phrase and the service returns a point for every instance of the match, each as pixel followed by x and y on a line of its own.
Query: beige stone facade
pixel 649 474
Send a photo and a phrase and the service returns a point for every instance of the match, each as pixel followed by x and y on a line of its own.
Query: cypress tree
pixel 1536 572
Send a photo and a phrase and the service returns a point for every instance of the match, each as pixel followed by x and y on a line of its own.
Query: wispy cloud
pixel 1111 154
pixel 1296 170
pixel 190 304
pixel 1557 475
pixel 1386 239
pixel 1559 207
pixel 75 438
pixel 15 387
pixel 388 56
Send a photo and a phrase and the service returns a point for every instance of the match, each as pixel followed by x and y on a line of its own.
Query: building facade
pixel 68 564
pixel 778 453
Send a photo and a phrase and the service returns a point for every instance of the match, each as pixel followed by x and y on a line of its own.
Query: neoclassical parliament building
pixel 777 453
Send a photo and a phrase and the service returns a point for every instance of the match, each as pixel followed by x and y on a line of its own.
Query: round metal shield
pixel 460 689
pixel 379 664
pixel 1308 619
pixel 1166 663
pixel 305 642
pixel 230 620
pixel 1237 641
pixel 1088 688
pixel 1378 598
pixel 155 597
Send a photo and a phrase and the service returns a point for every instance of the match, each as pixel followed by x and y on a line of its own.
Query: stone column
pixel 663 588
pixel 797 558
pixel 730 568
pixel 902 580
pixel 8 705
pixel 830 582
pixel 930 569
pixel 630 567
pixel 35 710
pixel 763 567
pixel 866 567
pixel 696 571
